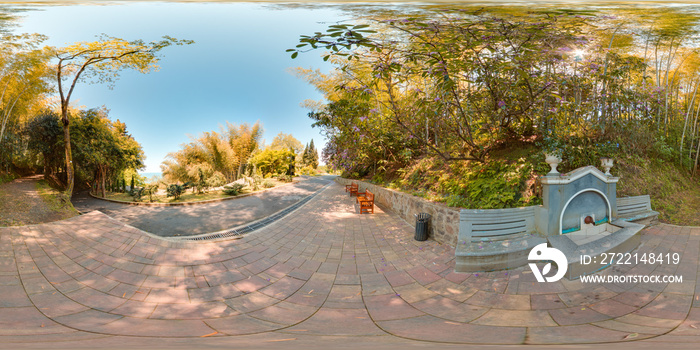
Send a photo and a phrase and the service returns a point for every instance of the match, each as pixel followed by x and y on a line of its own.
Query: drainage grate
pixel 258 224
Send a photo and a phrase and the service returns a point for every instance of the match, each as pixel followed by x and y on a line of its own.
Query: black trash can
pixel 422 222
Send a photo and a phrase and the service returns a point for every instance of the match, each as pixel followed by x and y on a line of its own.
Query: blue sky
pixel 236 71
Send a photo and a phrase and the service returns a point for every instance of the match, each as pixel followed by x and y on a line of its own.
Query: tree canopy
pixel 100 61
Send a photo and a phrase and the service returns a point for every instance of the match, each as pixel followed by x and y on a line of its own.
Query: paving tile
pixel 580 334
pixel 429 328
pixel 449 309
pixel 389 307
pixel 13 296
pixel 577 315
pixel 284 313
pixel 241 325
pixel 192 311
pixel 156 328
pixel 87 319
pixel 54 304
pixel 515 318
pixel 668 306
pixel 355 322
pixel 251 302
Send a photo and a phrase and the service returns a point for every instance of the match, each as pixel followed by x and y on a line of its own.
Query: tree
pixel 101 61
pixel 103 149
pixel 44 133
pixel 271 162
pixel 23 82
pixel 218 154
pixel 312 155
pixel 286 141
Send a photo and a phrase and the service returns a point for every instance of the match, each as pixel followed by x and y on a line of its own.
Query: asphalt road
pixel 187 220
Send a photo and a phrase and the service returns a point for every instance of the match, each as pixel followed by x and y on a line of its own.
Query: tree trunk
pixel 70 178
pixel 103 175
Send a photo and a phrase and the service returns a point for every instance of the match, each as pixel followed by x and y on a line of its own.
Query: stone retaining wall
pixel 444 222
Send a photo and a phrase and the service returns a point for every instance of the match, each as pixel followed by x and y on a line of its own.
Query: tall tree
pixel 313 155
pixel 100 61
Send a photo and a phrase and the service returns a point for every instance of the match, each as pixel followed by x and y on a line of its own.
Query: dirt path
pixel 20 204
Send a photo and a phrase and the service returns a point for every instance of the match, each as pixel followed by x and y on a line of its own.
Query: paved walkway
pixel 187 220
pixel 323 276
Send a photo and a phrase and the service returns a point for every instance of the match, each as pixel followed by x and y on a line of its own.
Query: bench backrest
pixel 369 195
pixel 495 223
pixel 629 206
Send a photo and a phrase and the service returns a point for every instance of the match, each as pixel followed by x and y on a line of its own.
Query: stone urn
pixel 553 160
pixel 606 163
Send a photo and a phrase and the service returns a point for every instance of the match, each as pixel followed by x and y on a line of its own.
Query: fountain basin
pixel 620 236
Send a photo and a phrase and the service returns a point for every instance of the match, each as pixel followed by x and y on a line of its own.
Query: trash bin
pixel 422 220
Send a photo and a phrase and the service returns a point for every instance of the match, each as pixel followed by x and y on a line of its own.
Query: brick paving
pixel 322 274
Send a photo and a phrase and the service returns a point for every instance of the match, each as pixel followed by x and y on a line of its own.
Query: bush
pixel 268 184
pixel 175 190
pixel 284 178
pixel 216 180
pixel 137 193
pixel 233 190
pixel 308 170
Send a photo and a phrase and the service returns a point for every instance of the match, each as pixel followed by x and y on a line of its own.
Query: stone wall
pixel 444 221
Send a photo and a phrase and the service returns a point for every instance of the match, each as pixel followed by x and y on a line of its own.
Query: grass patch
pixel 189 197
pixel 55 200
pixel 674 193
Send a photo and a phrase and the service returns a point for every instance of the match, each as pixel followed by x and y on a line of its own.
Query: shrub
pixel 308 170
pixel 216 180
pixel 268 184
pixel 284 178
pixel 137 193
pixel 233 190
pixel 175 190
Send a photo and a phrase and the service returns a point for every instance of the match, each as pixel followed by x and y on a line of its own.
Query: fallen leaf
pixel 454 323
pixel 123 295
pixel 209 335
pixel 631 335
pixel 311 291
pixel 693 326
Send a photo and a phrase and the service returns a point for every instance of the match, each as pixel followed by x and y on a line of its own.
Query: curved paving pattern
pixel 323 270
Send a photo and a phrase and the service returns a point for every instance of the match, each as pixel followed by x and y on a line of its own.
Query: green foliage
pixel 226 152
pixel 103 150
pixel 45 137
pixel 217 179
pixel 270 162
pixel 7 177
pixel 233 189
pixel 284 178
pixel 268 184
pixel 149 190
pixel 310 155
pixel 311 171
pixel 175 191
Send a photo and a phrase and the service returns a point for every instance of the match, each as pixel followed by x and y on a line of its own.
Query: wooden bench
pixel 366 201
pixel 495 239
pixel 636 209
pixel 352 188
